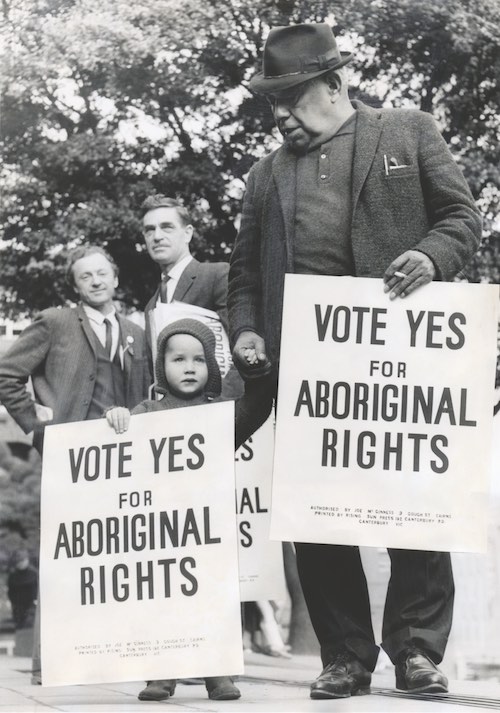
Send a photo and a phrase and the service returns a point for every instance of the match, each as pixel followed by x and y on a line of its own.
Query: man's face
pixel 95 281
pixel 167 239
pixel 186 369
pixel 304 114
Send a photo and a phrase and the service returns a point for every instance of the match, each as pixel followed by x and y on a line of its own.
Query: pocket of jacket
pixel 397 174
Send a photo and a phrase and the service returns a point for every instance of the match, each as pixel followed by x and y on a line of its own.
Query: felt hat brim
pixel 272 85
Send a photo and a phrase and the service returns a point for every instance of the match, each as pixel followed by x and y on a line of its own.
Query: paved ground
pixel 270 685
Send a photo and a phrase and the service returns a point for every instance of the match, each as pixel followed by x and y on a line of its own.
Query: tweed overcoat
pixel 57 350
pixel 424 204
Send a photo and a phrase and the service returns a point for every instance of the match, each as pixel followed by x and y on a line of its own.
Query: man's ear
pixel 189 232
pixel 335 85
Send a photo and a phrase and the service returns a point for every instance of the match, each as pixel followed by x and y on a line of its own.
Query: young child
pixel 187 374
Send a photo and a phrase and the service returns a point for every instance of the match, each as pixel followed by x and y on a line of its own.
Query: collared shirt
pixel 322 242
pixel 97 322
pixel 174 276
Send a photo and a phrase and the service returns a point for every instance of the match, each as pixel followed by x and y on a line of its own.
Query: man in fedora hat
pixel 362 192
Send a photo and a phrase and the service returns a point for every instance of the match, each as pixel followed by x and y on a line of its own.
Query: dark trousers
pixel 419 603
pixel 418 608
pixel 253 408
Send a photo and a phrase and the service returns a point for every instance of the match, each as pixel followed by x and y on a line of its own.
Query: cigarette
pixel 400 274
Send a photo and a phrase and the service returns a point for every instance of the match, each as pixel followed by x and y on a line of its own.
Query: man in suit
pixel 167 231
pixel 81 360
pixel 362 192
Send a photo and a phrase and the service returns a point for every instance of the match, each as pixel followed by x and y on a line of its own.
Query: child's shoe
pixel 158 690
pixel 221 688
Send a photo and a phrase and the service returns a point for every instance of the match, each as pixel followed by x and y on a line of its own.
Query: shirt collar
pixel 179 267
pixel 348 127
pixel 97 316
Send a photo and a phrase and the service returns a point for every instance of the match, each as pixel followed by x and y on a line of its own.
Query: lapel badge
pixel 130 340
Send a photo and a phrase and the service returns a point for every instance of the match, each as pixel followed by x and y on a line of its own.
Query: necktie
pixel 109 337
pixel 163 287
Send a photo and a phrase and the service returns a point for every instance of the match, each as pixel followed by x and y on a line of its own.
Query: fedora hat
pixel 296 53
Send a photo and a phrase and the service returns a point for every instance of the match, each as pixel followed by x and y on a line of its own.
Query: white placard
pixel 139 553
pixel 261 560
pixel 384 422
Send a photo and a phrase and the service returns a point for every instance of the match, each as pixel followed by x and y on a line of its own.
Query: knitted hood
pixel 205 335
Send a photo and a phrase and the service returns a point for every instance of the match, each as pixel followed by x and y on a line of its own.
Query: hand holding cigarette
pixel 408 271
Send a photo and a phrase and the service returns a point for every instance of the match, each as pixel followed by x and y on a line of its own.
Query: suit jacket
pixel 203 284
pixel 425 205
pixel 58 352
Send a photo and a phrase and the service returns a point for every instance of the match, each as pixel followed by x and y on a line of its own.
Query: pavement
pixel 269 685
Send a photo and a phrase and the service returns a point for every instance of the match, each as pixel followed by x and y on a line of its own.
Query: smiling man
pixel 367 193
pixel 81 360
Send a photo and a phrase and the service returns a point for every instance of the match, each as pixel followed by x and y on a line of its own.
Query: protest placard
pixel 384 423
pixel 139 554
pixel 261 560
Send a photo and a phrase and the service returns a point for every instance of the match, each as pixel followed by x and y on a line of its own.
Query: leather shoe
pixel 221 688
pixel 158 690
pixel 343 677
pixel 416 673
pixel 36 677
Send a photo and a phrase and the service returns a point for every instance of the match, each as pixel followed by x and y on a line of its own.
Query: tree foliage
pixel 105 102
pixel 19 505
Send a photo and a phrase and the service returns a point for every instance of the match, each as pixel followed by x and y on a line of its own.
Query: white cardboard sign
pixel 261 560
pixel 139 554
pixel 384 421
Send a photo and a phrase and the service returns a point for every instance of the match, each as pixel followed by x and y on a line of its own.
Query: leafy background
pixel 106 101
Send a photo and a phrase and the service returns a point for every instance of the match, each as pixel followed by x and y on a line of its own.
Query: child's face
pixel 186 370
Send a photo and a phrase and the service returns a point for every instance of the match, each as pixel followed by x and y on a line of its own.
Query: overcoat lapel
pixel 186 280
pixel 285 178
pixel 128 349
pixel 154 299
pixel 148 314
pixel 368 130
pixel 87 329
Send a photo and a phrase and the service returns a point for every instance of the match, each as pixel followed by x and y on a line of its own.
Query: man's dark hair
pixel 158 200
pixel 85 251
